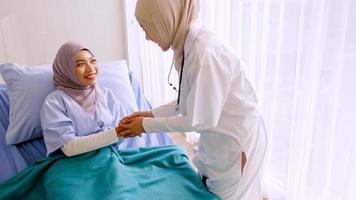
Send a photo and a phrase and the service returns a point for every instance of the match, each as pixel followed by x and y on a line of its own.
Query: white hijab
pixel 168 21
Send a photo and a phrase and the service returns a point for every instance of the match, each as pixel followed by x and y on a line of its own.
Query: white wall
pixel 32 31
pixel 2 54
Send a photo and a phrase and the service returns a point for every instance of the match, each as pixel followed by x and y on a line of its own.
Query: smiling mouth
pixel 90 76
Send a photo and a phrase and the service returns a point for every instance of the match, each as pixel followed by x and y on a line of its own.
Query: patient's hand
pixel 118 130
pixel 136 114
pixel 132 127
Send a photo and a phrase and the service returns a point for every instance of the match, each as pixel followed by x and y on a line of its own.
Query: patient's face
pixel 86 68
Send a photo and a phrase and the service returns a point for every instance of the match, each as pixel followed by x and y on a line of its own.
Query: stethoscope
pixel 180 81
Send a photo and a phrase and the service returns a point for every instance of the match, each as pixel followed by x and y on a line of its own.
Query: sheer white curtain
pixel 302 57
pixel 149 63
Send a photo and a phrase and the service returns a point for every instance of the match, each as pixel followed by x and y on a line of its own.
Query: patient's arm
pixel 83 144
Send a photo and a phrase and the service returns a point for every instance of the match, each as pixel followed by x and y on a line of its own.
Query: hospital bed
pixel 15 158
pixel 158 170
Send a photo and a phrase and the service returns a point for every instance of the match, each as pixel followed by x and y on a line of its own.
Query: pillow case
pixel 29 86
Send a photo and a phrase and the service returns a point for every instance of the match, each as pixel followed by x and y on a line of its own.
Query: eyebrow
pixel 81 60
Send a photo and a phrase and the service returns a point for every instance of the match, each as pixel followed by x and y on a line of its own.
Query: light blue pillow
pixel 29 86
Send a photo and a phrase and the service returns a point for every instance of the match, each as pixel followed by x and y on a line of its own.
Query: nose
pixel 90 67
pixel 148 37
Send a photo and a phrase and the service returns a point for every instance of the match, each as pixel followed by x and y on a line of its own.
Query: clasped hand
pixel 131 125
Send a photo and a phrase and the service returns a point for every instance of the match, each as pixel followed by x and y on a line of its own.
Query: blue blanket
pixel 138 173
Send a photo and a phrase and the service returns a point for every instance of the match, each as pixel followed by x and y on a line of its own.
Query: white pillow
pixel 29 86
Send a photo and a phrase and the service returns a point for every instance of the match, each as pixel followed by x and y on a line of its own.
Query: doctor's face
pixel 86 68
pixel 155 40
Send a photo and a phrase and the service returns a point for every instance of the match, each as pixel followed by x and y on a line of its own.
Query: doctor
pixel 215 98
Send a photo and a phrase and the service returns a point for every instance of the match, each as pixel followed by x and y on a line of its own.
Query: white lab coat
pixel 218 101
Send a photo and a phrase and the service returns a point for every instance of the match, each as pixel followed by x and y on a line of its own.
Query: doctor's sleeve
pixel 165 110
pixel 210 84
pixel 167 124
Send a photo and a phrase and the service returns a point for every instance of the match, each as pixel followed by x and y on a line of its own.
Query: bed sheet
pixel 11 159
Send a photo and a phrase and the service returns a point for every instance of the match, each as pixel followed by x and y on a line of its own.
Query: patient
pixel 79 116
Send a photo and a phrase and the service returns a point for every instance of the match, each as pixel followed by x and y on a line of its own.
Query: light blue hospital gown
pixel 62 118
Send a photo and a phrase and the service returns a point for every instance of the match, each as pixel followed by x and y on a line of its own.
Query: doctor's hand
pixel 136 114
pixel 132 127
